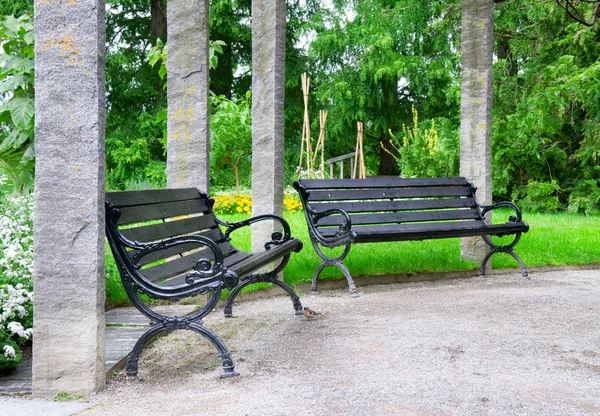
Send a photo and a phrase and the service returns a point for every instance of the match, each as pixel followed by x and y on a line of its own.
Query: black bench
pixel 340 212
pixel 168 244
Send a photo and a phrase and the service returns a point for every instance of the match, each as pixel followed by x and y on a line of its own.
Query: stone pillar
pixel 69 343
pixel 188 142
pixel 476 108
pixel 268 93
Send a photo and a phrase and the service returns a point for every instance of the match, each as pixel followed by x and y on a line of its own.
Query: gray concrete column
pixel 188 130
pixel 68 341
pixel 476 107
pixel 268 93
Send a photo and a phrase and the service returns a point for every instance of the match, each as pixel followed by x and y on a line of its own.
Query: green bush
pixel 423 152
pixel 540 197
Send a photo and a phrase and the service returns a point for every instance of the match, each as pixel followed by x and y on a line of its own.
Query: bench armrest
pixel 277 237
pixel 512 218
pixel 342 236
pixel 205 270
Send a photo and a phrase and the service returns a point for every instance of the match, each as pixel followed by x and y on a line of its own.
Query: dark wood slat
pixel 157 232
pixel 153 196
pixel 152 212
pixel 179 265
pixel 412 204
pixel 369 183
pixel 402 217
pixel 180 278
pixel 252 262
pixel 214 235
pixel 260 259
pixel 424 231
pixel 389 193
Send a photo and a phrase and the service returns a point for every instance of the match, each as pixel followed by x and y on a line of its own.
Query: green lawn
pixel 553 240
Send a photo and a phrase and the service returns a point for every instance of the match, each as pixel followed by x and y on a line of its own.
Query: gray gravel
pixel 501 345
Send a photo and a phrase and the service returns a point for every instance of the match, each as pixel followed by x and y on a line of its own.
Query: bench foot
pixel 228 367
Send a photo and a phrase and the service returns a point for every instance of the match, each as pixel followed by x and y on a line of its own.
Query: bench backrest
pixel 380 201
pixel 149 217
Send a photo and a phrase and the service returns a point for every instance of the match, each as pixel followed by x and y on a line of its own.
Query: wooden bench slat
pixel 181 264
pixel 389 193
pixel 403 217
pixel 423 231
pixel 152 196
pixel 230 261
pixel 135 214
pixel 370 183
pixel 410 204
pixel 160 231
pixel 265 257
pixel 214 235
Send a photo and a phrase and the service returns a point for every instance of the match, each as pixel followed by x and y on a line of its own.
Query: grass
pixel 553 240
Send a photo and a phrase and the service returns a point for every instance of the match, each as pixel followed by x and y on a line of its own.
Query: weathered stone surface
pixel 476 108
pixel 268 93
pixel 188 128
pixel 68 353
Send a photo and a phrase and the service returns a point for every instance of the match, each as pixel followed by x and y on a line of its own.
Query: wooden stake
pixel 302 76
pixel 359 157
pixel 305 128
pixel 320 144
pixel 307 125
pixel 363 172
pixel 324 118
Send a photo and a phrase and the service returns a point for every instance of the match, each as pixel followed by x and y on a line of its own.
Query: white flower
pixel 9 352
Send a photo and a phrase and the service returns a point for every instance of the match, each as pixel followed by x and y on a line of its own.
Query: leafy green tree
pixel 16 7
pixel 17 99
pixel 231 134
pixel 546 130
pixel 135 153
pixel 230 23
pixel 374 63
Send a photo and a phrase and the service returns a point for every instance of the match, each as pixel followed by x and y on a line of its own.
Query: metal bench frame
pixel 210 271
pixel 322 200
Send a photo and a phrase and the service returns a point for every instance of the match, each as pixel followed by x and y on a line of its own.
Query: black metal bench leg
pixel 335 262
pixel 269 277
pixel 228 366
pixel 134 355
pixel 508 249
pixel 339 265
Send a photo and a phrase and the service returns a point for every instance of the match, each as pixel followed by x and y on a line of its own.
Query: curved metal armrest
pixel 207 272
pixel 512 218
pixel 344 233
pixel 277 237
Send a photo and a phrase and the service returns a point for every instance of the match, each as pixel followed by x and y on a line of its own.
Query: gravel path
pixel 480 346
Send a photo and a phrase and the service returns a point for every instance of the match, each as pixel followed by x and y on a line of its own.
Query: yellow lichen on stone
pixel 56 2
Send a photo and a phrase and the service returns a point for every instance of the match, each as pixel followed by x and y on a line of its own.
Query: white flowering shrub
pixel 16 269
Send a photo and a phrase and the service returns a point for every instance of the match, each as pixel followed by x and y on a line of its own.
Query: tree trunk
pixel 158 19
pixel 505 52
pixel 237 178
pixel 387 164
